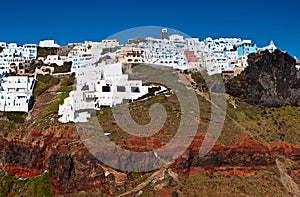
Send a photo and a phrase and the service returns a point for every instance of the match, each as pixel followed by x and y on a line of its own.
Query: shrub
pixel 16 117
pixel 62 69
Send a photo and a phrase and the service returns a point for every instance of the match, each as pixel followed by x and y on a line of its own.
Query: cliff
pixel 270 80
pixel 72 168
pixel 59 152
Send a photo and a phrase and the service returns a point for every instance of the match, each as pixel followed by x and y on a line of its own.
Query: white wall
pixel 48 43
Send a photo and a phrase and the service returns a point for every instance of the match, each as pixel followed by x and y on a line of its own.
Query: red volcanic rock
pixel 296 173
pixel 59 151
pixel 141 144
pixel 193 171
pixel 239 172
pixel 285 149
pixel 22 171
pixel 242 158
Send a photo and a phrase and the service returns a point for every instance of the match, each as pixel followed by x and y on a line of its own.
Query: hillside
pixel 257 154
pixel 240 154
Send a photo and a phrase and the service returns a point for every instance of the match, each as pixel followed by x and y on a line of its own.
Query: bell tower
pixel 164 34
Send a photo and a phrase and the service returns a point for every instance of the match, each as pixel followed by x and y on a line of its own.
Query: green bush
pixel 55 105
pixel 39 186
pixel 16 117
pixel 68 81
pixel 62 69
pixel 65 89
pixel 36 186
pixel 200 81
pixel 6 184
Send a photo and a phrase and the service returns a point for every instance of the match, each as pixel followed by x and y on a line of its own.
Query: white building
pixel 162 52
pixel 29 51
pixel 98 86
pixel 55 59
pixel 4 64
pixel 110 43
pixel 192 44
pixel 271 47
pixel 16 93
pixel 177 40
pixel 3 44
pixel 14 54
pixel 83 52
pixel 48 44
pixel 78 63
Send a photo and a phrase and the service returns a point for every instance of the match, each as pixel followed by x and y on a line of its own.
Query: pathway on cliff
pixel 156 176
pixel 286 180
pixel 41 102
pixel 187 80
pixel 185 77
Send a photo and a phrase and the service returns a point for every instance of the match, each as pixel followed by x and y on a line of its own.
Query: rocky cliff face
pixel 247 154
pixel 72 168
pixel 59 152
pixel 270 80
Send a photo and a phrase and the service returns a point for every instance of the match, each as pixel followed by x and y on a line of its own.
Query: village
pixel 98 68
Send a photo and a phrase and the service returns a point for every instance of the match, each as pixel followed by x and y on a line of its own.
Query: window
pixel 121 89
pixel 105 88
pixel 135 89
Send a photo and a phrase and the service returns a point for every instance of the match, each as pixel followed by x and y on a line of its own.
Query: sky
pixel 76 21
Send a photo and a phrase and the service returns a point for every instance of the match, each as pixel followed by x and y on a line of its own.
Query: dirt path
pixel 286 180
pixel 155 176
pixel 54 88
pixel 158 175
pixel 187 79
pixel 41 102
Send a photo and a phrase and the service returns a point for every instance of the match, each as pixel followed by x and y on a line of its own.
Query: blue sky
pixel 74 21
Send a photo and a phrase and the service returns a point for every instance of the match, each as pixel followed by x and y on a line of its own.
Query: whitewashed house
pixel 3 44
pixel 84 52
pixel 77 63
pixel 13 54
pixel 99 86
pixel 29 51
pixel 55 59
pixel 48 44
pixel 271 47
pixel 16 93
pixel 110 43
pixel 177 40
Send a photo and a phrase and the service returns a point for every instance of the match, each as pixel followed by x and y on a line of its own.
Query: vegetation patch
pixel 55 105
pixel 16 117
pixel 138 178
pixel 45 51
pixel 66 67
pixel 44 82
pixel 12 186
